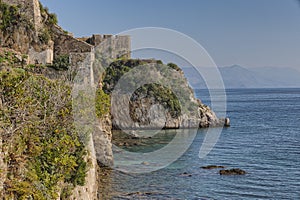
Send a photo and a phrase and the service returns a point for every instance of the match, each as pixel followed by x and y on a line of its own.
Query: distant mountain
pixel 240 77
pixel 287 77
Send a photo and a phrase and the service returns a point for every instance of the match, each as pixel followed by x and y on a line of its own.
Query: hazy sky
pixel 250 33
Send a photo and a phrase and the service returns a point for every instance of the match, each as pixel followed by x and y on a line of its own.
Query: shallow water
pixel 263 140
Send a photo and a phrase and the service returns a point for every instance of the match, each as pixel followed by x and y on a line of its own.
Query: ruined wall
pixel 43 57
pixel 64 44
pixel 122 46
pixel 30 9
pixel 115 46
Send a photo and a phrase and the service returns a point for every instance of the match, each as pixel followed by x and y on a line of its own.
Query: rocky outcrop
pixel 213 167
pixel 102 142
pixel 160 98
pixel 234 171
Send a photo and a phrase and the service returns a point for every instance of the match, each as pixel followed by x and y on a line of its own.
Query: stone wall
pixel 43 57
pixel 115 46
pixel 30 9
pixel 64 44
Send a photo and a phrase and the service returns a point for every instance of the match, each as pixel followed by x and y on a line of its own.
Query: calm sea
pixel 264 140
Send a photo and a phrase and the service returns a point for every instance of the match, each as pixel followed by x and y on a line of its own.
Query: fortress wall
pixel 43 57
pixel 122 46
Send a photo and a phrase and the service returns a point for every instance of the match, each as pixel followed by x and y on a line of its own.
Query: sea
pixel 263 140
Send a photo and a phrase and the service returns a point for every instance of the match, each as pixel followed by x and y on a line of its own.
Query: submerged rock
pixel 212 167
pixel 235 171
pixel 186 174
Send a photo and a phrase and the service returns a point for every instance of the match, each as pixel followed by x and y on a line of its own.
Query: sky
pixel 250 33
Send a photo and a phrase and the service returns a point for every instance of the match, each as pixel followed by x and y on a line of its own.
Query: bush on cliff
pixel 61 62
pixel 161 94
pixel 44 154
pixel 9 15
pixel 102 103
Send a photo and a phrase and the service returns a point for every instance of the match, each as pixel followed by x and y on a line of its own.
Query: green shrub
pixel 102 103
pixel 9 15
pixel 51 17
pixel 163 95
pixel 61 62
pixel 116 70
pixel 174 66
pixel 45 36
pixel 45 151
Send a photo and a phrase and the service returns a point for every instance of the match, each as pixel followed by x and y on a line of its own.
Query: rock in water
pixel 227 122
pixel 186 174
pixel 235 171
pixel 212 167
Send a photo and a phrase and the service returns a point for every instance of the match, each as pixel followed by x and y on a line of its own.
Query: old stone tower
pixel 30 9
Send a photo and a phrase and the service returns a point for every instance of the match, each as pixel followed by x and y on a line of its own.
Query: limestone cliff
pixel 160 97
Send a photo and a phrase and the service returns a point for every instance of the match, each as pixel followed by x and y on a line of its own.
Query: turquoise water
pixel 264 140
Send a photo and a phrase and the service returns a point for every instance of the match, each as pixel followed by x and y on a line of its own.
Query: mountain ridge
pixel 237 76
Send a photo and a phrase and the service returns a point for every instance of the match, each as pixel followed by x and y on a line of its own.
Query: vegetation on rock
pixel 61 63
pixel 9 16
pixel 169 89
pixel 50 19
pixel 102 103
pixel 44 155
pixel 160 94
pixel 174 66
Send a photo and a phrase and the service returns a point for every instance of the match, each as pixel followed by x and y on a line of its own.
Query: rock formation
pixel 212 167
pixel 234 171
pixel 154 96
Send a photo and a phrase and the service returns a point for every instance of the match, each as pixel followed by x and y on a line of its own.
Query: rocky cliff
pixel 153 95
